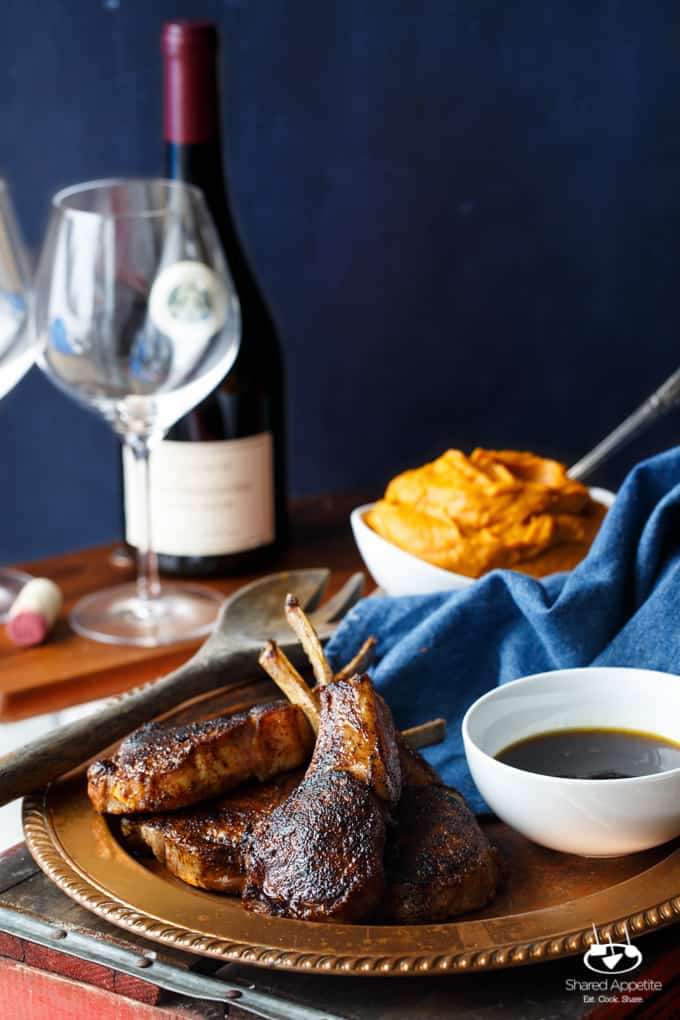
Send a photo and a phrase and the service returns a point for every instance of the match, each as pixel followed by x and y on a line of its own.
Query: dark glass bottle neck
pixel 200 163
pixel 190 87
pixel 193 146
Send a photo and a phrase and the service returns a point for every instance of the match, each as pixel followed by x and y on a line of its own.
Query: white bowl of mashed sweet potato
pixel 442 526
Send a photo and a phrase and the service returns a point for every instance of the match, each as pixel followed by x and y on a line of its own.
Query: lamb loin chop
pixel 205 845
pixel 160 768
pixel 438 861
pixel 319 855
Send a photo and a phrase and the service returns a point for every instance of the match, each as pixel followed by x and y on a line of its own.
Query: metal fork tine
pixel 342 601
pixel 314 599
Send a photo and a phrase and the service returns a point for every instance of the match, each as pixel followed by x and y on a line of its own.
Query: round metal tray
pixel 545 909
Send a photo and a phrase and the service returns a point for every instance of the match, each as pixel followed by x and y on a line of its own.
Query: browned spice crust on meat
pixel 319 855
pixel 205 845
pixel 438 861
pixel 160 768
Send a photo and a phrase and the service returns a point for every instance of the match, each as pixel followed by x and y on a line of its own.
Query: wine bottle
pixel 218 478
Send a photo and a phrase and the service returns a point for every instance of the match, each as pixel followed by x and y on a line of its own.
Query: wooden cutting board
pixel 69 669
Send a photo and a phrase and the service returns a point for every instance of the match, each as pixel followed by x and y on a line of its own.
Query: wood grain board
pixel 69 669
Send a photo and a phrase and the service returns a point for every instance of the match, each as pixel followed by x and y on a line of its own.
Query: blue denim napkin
pixel 621 606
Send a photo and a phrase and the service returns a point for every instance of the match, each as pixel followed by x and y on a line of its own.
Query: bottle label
pixel 188 302
pixel 207 499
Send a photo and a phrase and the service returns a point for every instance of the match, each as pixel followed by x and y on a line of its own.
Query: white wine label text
pixel 207 498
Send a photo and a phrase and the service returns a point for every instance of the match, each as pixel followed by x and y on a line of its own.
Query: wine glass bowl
pixel 137 319
pixel 148 322
pixel 16 346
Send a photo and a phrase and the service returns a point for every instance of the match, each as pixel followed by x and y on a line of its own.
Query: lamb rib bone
pixel 309 639
pixel 361 661
pixel 284 674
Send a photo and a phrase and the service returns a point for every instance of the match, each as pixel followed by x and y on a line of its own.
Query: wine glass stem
pixel 148 585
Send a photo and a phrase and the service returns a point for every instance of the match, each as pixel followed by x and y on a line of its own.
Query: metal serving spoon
pixel 666 397
pixel 249 617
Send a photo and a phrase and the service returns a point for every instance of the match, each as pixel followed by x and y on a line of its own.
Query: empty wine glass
pixel 16 349
pixel 136 316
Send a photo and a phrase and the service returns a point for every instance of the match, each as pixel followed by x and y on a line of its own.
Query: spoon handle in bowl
pixel 37 763
pixel 666 397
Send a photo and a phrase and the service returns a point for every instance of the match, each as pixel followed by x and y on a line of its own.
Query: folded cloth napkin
pixel 619 607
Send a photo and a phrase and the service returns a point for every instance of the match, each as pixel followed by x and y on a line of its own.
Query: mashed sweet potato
pixel 495 508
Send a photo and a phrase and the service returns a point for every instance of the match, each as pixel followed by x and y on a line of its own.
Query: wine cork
pixel 33 612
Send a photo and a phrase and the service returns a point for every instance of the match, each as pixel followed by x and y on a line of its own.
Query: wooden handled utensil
pixel 247 619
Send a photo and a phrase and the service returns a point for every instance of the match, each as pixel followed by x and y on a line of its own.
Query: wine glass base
pixel 117 616
pixel 11 583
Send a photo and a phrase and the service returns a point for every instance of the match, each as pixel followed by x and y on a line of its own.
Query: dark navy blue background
pixel 466 216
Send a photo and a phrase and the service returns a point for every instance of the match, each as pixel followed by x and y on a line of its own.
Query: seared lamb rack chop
pixel 438 861
pixel 319 855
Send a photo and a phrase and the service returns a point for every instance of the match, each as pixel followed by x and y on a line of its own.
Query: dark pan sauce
pixel 596 753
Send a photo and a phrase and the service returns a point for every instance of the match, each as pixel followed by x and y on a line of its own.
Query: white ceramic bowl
pixel 591 817
pixel 399 573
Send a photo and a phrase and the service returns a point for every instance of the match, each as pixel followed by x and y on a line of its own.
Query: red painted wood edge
pixel 94 974
pixel 10 850
pixel 29 994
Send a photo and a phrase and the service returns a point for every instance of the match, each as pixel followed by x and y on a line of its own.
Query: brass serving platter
pixel 545 909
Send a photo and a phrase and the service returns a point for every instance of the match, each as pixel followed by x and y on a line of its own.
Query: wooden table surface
pixel 69 669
